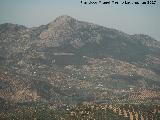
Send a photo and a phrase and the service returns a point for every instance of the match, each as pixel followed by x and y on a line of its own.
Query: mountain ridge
pixel 65 19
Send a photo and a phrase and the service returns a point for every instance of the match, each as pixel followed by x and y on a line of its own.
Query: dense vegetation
pixel 85 111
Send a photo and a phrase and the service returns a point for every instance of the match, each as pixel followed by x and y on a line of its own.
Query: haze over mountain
pixel 72 60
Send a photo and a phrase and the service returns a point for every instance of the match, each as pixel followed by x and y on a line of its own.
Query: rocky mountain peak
pixel 64 19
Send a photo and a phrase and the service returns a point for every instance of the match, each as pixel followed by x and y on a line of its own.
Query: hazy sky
pixel 131 19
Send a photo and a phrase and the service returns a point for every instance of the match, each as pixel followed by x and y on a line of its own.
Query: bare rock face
pixel 58 31
pixel 67 30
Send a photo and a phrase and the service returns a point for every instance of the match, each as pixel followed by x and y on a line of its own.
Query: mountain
pixel 69 60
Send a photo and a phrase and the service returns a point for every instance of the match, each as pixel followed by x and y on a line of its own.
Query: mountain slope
pixel 71 60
